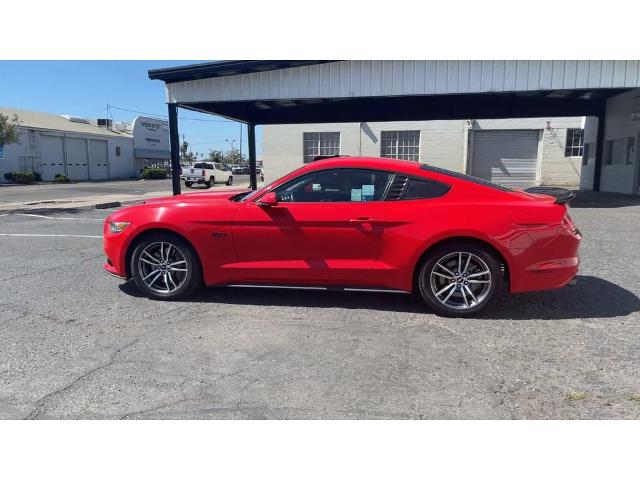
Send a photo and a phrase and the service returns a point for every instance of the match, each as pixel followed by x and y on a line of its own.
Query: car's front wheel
pixel 460 279
pixel 164 266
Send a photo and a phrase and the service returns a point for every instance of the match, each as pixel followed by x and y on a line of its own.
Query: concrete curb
pixel 66 206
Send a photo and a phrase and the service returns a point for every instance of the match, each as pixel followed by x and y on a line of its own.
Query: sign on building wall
pixel 151 138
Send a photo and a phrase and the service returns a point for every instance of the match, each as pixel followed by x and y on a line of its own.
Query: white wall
pixel 443 143
pixel 618 177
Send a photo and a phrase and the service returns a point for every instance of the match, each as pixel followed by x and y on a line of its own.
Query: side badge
pixel 219 234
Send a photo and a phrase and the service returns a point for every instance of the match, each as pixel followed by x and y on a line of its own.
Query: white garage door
pixel 98 165
pixel 506 157
pixel 77 163
pixel 52 151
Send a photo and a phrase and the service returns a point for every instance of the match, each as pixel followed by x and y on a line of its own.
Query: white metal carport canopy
pixel 310 91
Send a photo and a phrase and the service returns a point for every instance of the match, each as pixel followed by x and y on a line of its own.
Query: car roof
pixel 404 166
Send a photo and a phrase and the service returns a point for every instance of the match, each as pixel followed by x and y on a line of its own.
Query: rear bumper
pixel 546 268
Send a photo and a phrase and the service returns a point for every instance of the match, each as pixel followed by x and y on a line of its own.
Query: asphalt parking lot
pixel 76 343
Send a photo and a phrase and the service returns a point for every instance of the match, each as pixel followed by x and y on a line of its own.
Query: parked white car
pixel 207 173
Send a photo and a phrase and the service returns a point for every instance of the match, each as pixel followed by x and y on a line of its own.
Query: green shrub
pixel 61 178
pixel 153 173
pixel 23 177
pixel 20 177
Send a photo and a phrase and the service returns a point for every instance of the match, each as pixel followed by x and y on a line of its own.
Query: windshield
pixel 202 165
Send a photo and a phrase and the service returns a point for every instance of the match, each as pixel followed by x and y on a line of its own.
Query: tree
pixel 216 156
pixel 186 157
pixel 9 129
pixel 234 157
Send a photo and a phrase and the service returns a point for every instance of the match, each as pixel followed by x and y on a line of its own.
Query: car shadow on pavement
pixel 592 297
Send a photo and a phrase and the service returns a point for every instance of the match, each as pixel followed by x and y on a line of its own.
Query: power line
pixel 165 116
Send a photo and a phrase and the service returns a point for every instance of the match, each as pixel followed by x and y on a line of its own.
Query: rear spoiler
pixel 562 195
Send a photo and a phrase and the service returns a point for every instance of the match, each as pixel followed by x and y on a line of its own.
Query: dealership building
pixel 84 149
pixel 515 152
pixel 354 98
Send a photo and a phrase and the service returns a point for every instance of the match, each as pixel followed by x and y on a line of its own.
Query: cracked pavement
pixel 76 343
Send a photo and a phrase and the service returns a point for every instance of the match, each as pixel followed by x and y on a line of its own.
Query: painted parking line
pixel 47 235
pixel 57 218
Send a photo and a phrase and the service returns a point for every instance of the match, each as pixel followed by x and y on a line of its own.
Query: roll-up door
pixel 99 156
pixel 52 156
pixel 77 159
pixel 506 157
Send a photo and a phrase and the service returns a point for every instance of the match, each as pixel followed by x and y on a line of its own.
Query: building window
pixel 607 152
pixel 404 145
pixel 320 144
pixel 631 150
pixel 575 140
pixel 117 151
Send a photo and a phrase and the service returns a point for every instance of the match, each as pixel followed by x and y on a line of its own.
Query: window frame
pixel 397 144
pixel 572 146
pixel 425 180
pixel 630 159
pixel 118 151
pixel 391 174
pixel 319 147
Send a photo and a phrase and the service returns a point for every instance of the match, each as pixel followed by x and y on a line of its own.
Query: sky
pixel 85 88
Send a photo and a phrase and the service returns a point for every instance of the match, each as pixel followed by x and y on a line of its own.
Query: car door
pixel 326 228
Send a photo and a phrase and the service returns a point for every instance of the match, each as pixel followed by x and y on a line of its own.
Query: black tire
pixel 211 182
pixel 484 288
pixel 188 184
pixel 230 181
pixel 186 283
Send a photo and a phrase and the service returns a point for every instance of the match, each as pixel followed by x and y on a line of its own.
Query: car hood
pixel 195 197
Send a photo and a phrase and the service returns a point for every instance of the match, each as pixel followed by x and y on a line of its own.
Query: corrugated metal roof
pixel 364 78
pixel 225 68
pixel 51 121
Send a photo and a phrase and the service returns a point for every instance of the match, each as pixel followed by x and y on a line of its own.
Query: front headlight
pixel 117 227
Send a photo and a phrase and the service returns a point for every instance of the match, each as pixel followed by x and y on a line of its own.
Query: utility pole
pixel 241 140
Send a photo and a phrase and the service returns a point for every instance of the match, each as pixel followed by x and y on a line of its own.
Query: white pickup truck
pixel 207 173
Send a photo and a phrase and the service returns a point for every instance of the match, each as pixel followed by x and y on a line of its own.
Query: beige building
pixel 518 152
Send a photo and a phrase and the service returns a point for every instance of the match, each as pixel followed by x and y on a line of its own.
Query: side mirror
pixel 268 200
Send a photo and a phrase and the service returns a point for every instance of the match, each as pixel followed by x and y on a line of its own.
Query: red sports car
pixel 368 223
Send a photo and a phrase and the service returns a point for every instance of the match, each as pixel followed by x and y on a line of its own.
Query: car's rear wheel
pixel 230 181
pixel 188 184
pixel 211 182
pixel 164 266
pixel 460 279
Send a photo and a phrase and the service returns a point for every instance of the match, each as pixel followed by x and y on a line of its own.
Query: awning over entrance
pixel 316 91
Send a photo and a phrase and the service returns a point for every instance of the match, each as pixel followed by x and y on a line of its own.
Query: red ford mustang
pixel 368 223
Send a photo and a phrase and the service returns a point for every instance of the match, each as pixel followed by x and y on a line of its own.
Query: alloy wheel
pixel 163 267
pixel 460 280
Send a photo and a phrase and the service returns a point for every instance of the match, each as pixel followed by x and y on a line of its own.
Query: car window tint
pixel 424 189
pixel 338 185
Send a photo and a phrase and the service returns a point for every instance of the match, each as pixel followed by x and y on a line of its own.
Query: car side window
pixel 336 185
pixel 420 189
